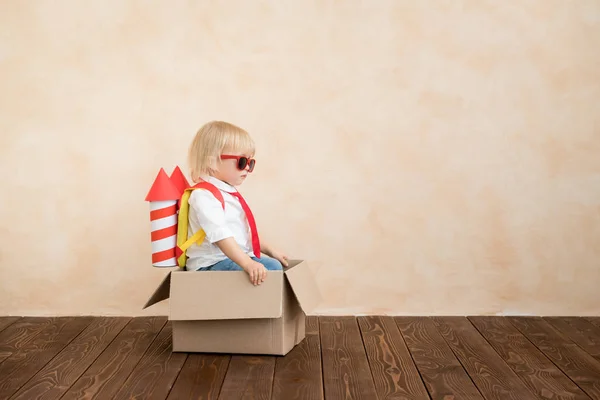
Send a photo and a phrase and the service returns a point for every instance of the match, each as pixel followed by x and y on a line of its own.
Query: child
pixel 221 154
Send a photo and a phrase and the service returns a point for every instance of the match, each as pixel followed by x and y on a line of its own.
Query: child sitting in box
pixel 221 154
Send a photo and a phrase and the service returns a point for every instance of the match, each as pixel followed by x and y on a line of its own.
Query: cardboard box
pixel 222 312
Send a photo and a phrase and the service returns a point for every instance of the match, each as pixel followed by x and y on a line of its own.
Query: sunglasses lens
pixel 243 161
pixel 252 162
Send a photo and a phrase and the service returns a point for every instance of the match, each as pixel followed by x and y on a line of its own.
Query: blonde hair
pixel 211 140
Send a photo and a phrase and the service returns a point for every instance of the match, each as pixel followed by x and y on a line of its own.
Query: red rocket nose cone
pixel 163 188
pixel 179 180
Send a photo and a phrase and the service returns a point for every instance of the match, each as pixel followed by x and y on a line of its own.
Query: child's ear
pixel 212 162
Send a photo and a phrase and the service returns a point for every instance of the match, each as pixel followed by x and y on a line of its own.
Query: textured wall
pixel 427 157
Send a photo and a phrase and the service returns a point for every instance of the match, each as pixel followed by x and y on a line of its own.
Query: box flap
pixel 214 295
pixel 161 293
pixel 304 285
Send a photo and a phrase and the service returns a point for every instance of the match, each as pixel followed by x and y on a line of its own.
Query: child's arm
pixel 271 252
pixel 234 252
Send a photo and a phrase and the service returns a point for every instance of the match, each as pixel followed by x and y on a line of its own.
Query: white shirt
pixel 206 212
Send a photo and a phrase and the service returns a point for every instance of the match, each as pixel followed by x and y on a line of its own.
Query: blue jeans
pixel 227 265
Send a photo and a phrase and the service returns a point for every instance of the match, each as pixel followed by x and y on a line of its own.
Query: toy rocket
pixel 163 197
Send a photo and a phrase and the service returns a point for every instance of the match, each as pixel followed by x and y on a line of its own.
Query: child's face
pixel 228 168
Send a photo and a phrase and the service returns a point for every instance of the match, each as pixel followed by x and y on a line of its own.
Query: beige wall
pixel 435 157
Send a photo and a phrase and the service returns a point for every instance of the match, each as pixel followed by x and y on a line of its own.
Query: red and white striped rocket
pixel 163 197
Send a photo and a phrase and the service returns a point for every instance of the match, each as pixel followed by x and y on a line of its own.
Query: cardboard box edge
pixel 162 292
pixel 307 304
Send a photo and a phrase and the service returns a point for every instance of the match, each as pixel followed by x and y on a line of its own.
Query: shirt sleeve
pixel 210 214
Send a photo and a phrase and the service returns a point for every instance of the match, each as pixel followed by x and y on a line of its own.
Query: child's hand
pixel 282 258
pixel 256 271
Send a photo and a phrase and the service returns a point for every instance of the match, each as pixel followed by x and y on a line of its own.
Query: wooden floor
pixel 341 358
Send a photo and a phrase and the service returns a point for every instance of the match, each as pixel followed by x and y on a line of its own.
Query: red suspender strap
pixel 251 222
pixel 213 189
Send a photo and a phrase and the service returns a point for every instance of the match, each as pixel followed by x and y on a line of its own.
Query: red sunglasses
pixel 242 162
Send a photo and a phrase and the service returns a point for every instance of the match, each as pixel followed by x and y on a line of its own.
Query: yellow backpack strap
pixel 183 242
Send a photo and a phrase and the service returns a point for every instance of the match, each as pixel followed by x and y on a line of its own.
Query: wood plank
pixel 249 377
pixel 201 377
pixel 538 373
pixel 20 334
pixel 312 325
pixel 491 375
pixel 441 371
pixel 394 372
pixel 106 375
pixel 52 381
pixel 298 375
pixel 154 376
pixel 580 331
pixel 7 321
pixel 346 371
pixel 594 321
pixel 582 368
pixel 22 365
